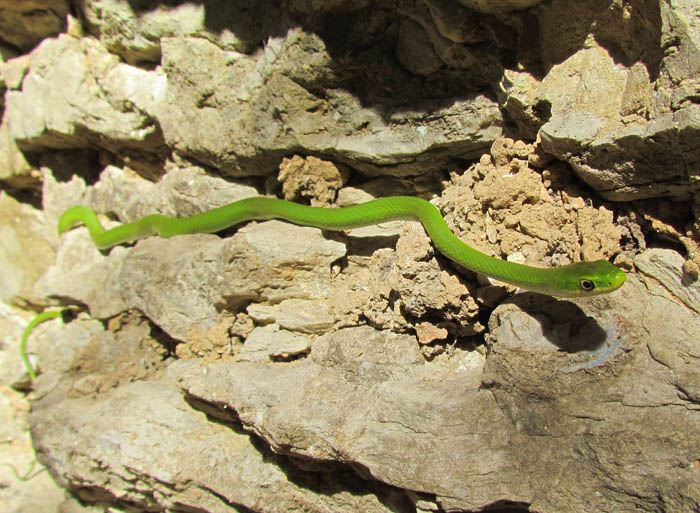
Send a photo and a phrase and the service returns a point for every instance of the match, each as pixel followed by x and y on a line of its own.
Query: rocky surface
pixel 274 367
pixel 199 464
pixel 617 102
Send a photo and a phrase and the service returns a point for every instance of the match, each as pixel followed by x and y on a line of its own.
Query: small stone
pixel 428 333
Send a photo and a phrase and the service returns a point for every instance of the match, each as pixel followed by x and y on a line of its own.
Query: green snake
pixel 38 319
pixel 573 280
pixel 578 279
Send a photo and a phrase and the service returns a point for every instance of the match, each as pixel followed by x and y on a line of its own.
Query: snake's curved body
pixel 578 279
pixel 38 319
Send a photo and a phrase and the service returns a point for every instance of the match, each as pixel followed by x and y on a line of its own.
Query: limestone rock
pixel 611 102
pixel 364 397
pixel 26 485
pixel 16 170
pixel 73 93
pixel 498 5
pixel 24 23
pixel 666 267
pixel 299 315
pixel 271 343
pixel 311 178
pixel 26 250
pixel 362 371
pixel 145 444
pixel 196 275
pixel 538 218
pixel 133 31
pixel 235 136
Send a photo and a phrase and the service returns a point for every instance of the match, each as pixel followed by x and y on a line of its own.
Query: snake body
pixel 38 319
pixel 577 279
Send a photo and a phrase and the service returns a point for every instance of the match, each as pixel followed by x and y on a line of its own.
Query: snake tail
pixel 38 319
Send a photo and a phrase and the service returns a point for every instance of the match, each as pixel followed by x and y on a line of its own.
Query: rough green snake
pixel 573 280
pixel 578 279
pixel 38 319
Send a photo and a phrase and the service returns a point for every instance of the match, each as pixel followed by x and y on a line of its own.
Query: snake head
pixel 591 278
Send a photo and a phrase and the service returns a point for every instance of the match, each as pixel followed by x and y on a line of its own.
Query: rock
pixel 362 398
pixel 427 333
pixel 26 251
pixel 360 371
pixel 26 485
pixel 540 219
pixel 298 315
pixel 81 357
pixel 311 178
pixel 16 171
pixel 394 288
pixel 271 343
pixel 274 260
pixel 134 32
pixel 498 5
pixel 415 51
pixel 24 23
pixel 617 109
pixel 666 267
pixel 196 274
pixel 61 102
pixel 201 276
pixel 12 324
pixel 236 135
pixel 74 276
pixel 458 24
pixel 161 453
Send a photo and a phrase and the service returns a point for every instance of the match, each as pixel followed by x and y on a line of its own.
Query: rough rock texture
pixel 666 267
pixel 266 110
pixel 25 253
pixel 199 465
pixel 133 30
pixel 361 395
pixel 25 484
pixel 275 367
pixel 617 103
pixel 560 388
pixel 24 23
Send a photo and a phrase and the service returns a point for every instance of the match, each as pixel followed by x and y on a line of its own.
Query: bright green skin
pixel 43 316
pixel 573 280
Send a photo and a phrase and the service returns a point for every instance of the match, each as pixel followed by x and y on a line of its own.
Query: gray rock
pixel 26 250
pixel 26 486
pixel 112 108
pixel 588 405
pixel 235 136
pixel 80 357
pixel 364 397
pixel 83 275
pixel 666 267
pixel 299 315
pixel 271 343
pixel 134 32
pixel 498 5
pixel 415 51
pixel 146 445
pixel 25 23
pixel 16 171
pixel 198 276
pixel 619 111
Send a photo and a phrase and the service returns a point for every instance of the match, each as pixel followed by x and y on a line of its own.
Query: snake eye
pixel 586 285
